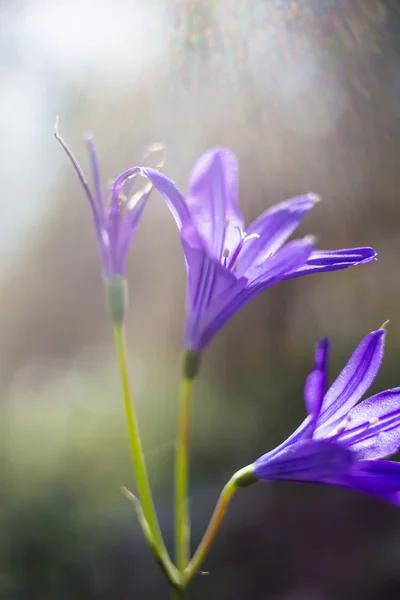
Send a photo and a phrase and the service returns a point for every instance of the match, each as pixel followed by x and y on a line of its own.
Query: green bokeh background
pixel 66 530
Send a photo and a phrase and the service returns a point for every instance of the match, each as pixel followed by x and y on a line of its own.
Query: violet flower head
pixel 340 441
pixel 227 264
pixel 115 217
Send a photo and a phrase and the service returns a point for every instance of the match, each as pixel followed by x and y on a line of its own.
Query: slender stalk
pixel 240 479
pixel 182 524
pixel 140 470
pixel 211 531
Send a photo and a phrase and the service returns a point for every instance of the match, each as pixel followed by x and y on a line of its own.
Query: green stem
pixel 182 524
pixel 240 479
pixel 140 470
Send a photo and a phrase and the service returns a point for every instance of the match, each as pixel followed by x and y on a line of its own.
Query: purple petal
pixel 130 222
pixel 378 477
pixel 213 199
pixel 352 383
pixel 309 460
pixel 285 260
pixel 315 386
pixel 334 260
pixel 207 279
pixel 116 210
pixel 274 227
pixel 228 303
pixel 98 218
pixel 94 164
pixel 171 194
pixel 373 429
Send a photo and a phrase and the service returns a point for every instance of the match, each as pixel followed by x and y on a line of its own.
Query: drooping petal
pixel 334 260
pixel 352 383
pixel 309 460
pixel 227 304
pixel 373 426
pixel 213 199
pixel 171 194
pixel 315 386
pixel 274 227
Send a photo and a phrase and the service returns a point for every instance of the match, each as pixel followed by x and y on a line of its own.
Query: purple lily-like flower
pixel 227 265
pixel 115 217
pixel 340 441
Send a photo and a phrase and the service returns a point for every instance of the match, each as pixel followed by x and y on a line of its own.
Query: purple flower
pixel 340 441
pixel 115 217
pixel 228 265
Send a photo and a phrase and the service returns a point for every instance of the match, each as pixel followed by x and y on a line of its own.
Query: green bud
pixel 117 298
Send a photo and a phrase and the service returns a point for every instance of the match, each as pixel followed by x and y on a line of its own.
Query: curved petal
pixel 334 260
pixel 309 460
pixel 373 429
pixel 352 383
pixel 116 209
pixel 213 199
pixel 315 387
pixel 273 227
pixel 171 194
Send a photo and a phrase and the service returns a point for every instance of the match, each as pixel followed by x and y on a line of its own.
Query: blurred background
pixel 307 94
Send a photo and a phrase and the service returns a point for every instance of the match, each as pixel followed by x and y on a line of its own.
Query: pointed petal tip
pixel 218 152
pixel 323 344
pixel 310 239
pixel 367 255
pixel 314 197
pixel 364 255
pixel 384 325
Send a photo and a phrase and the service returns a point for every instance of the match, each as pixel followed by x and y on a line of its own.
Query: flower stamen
pixel 340 428
pixel 225 255
pixel 243 239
